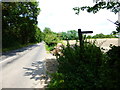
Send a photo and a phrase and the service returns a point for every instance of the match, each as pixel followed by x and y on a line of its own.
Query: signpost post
pixel 80 33
pixel 119 30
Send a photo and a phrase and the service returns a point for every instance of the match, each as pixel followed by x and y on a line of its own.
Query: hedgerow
pixel 86 67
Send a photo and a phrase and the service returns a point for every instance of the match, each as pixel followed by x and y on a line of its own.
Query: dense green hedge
pixel 87 68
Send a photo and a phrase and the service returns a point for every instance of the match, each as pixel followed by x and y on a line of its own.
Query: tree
pixel 63 35
pixel 19 20
pixel 89 36
pixel 72 34
pixel 69 35
pixel 50 37
pixel 99 36
pixel 100 4
pixel 113 6
pixel 114 32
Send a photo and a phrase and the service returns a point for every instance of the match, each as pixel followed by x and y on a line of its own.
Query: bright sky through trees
pixel 60 16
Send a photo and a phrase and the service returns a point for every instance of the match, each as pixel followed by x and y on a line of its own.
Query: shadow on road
pixel 51 65
pixel 13 52
pixel 36 72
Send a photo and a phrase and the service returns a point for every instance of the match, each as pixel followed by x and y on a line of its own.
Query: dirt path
pixel 26 71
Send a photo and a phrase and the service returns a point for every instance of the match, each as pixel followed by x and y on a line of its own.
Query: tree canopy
pixel 69 35
pixel 100 4
pixel 51 38
pixel 19 23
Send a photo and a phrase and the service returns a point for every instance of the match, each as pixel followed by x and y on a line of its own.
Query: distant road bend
pixel 23 68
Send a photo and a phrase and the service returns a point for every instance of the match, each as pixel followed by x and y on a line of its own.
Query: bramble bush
pixel 86 67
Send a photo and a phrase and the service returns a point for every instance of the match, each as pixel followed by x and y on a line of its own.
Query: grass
pixel 50 48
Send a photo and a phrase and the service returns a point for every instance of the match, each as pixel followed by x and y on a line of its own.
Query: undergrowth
pixel 87 67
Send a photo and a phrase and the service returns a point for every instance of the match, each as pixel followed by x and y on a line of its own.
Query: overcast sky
pixel 59 16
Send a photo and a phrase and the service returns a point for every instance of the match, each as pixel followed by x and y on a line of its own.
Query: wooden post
pixel 80 35
pixel 119 26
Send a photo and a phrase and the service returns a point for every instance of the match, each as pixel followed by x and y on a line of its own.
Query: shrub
pixel 51 39
pixel 86 67
pixel 114 54
pixel 113 75
pixel 79 66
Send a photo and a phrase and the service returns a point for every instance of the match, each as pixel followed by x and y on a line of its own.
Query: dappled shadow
pixel 37 71
pixel 51 65
pixel 14 52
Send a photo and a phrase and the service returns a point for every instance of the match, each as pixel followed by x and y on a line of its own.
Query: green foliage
pixel 37 36
pixel 87 68
pixel 114 33
pixel 49 48
pixel 69 35
pixel 79 66
pixel 89 36
pixel 113 6
pixel 51 38
pixel 113 76
pixel 73 35
pixel 101 35
pixel 19 23
pixel 114 54
pixel 57 81
pixel 64 36
pixel 118 28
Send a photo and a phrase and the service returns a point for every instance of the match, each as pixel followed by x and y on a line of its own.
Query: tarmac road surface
pixel 23 68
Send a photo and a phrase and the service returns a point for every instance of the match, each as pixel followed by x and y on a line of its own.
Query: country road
pixel 23 69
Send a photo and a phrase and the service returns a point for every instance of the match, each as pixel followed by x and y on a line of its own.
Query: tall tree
pixel 69 35
pixel 19 20
pixel 72 34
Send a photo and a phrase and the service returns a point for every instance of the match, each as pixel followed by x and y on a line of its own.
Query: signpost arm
pixel 80 35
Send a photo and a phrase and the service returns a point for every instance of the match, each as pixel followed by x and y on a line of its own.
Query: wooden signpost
pixel 80 35
pixel 119 26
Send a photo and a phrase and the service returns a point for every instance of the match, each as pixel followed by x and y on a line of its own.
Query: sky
pixel 59 16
